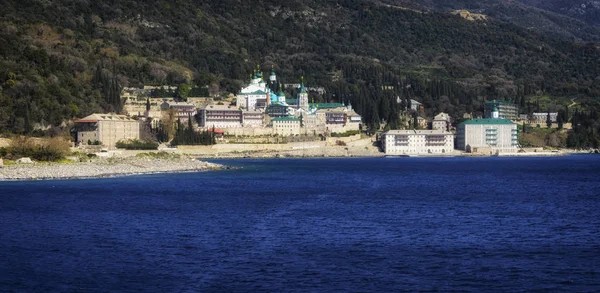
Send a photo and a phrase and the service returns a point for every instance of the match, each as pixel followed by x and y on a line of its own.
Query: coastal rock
pixel 24 161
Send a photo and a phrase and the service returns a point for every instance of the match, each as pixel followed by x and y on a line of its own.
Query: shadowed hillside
pixel 65 59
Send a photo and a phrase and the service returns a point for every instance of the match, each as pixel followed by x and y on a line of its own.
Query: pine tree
pixel 559 120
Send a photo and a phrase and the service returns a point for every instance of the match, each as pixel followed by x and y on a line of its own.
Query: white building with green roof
pixel 498 135
pixel 286 126
pixel 257 92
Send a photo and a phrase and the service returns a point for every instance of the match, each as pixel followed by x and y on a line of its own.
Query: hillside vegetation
pixel 568 19
pixel 65 59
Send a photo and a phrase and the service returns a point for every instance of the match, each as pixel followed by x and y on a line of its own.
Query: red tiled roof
pixel 216 130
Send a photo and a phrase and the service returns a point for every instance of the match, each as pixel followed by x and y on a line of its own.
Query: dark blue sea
pixel 311 225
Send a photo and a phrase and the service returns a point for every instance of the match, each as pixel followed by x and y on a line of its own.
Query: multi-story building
pixel 414 142
pixel 506 110
pixel 495 134
pixel 441 122
pixel 253 118
pixel 184 110
pixel 286 126
pixel 335 118
pixel 543 117
pixel 220 116
pixel 277 110
pixel 107 129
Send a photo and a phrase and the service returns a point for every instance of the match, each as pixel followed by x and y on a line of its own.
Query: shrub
pixel 136 144
pixel 52 149
pixel 345 134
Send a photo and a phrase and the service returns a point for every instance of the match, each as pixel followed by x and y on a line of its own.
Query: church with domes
pixel 260 96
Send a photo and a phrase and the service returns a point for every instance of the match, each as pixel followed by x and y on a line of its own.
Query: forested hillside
pixel 586 10
pixel 568 19
pixel 65 59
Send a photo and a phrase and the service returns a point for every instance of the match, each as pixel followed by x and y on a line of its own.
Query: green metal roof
pixel 277 104
pixel 286 119
pixel 499 102
pixel 326 105
pixel 255 93
pixel 302 88
pixel 291 101
pixel 486 121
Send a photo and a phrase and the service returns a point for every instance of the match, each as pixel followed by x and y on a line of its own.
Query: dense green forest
pixel 568 19
pixel 65 59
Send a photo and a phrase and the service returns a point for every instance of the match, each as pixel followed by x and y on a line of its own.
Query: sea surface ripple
pixel 311 225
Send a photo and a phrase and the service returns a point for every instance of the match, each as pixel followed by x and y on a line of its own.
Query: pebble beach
pixel 104 168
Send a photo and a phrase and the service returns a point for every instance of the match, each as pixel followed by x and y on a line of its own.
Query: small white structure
pixel 415 105
pixel 412 142
pixel 543 117
pixel 441 122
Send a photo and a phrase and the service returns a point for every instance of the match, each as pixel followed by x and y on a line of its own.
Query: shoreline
pixel 105 168
pixel 129 163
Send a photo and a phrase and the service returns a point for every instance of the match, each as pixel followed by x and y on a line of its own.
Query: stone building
pixel 414 142
pixel 441 122
pixel 220 116
pixel 286 126
pixel 182 109
pixel 542 118
pixel 253 119
pixel 108 129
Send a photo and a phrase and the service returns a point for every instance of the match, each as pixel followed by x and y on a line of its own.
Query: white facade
pixel 441 122
pixel 286 126
pixel 256 90
pixel 543 117
pixel 500 135
pixel 411 142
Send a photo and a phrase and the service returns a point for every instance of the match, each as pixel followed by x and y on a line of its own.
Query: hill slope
pixel 64 59
pixel 572 20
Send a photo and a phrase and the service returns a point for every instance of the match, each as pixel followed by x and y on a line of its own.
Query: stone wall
pixel 334 140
